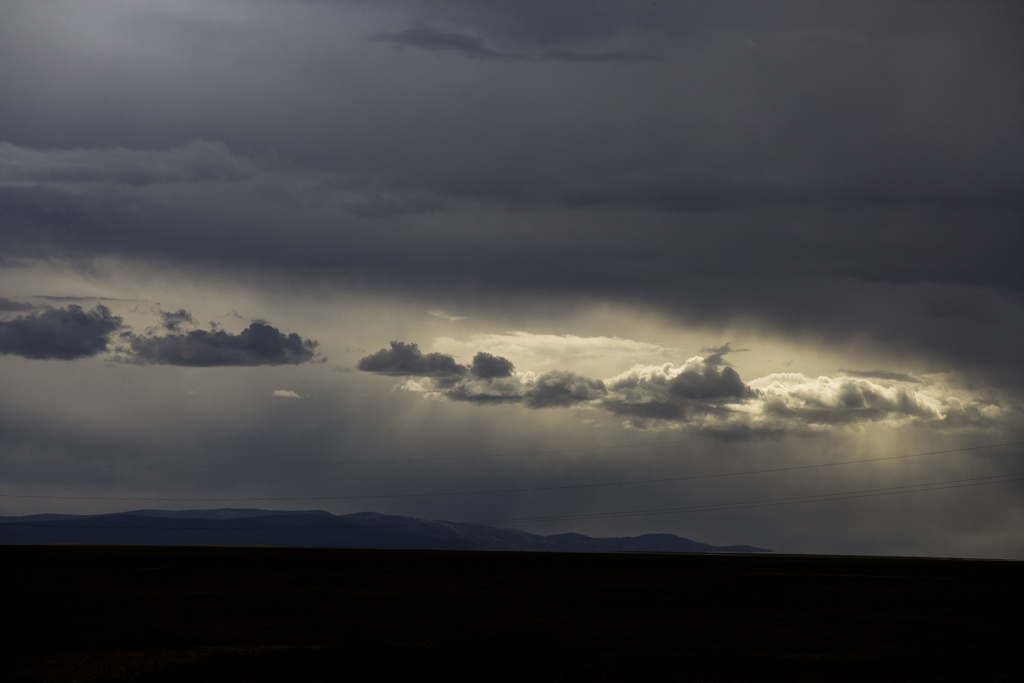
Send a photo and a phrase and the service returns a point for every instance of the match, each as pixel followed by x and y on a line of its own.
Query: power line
pixel 525 489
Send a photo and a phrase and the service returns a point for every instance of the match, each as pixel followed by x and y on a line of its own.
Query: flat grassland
pixel 117 613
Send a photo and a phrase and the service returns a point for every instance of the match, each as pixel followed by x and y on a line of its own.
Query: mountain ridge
pixel 318 528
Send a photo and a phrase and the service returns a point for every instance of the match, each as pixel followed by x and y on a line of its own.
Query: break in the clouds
pixel 702 392
pixel 65 333
pixel 258 344
pixel 881 374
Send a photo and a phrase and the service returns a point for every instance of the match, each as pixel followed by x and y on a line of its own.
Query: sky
pixel 745 272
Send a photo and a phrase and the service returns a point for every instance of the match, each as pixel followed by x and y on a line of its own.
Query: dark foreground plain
pixel 82 613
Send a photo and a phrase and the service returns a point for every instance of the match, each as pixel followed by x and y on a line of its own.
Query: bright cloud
pixel 702 393
pixel 548 351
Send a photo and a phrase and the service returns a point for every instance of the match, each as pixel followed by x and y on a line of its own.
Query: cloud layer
pixel 702 392
pixel 258 344
pixel 73 332
pixel 792 164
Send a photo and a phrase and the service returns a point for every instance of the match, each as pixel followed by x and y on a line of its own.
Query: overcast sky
pixel 610 267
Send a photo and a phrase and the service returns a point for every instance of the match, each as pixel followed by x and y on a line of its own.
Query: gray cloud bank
pixel 59 333
pixel 838 170
pixel 258 344
pixel 701 392
pixel 72 332
pixel 404 359
pixel 407 359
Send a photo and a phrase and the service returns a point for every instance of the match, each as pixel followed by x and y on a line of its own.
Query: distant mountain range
pixel 316 528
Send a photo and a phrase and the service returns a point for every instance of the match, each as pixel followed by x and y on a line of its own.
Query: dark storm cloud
pixel 490 379
pixel 710 385
pixel 407 360
pixel 17 306
pixel 488 366
pixel 881 374
pixel 833 170
pixel 718 353
pixel 59 333
pixel 258 344
pixel 561 389
pixel 801 141
pixel 698 387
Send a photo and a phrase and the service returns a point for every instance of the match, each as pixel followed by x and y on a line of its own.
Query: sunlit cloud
pixel 702 393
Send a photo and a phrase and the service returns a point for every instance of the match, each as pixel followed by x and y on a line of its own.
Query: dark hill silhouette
pixel 317 528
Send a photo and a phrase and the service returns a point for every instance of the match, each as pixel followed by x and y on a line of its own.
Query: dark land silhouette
pixel 150 613
pixel 316 528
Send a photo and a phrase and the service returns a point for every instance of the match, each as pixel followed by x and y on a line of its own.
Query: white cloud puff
pixel 285 393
